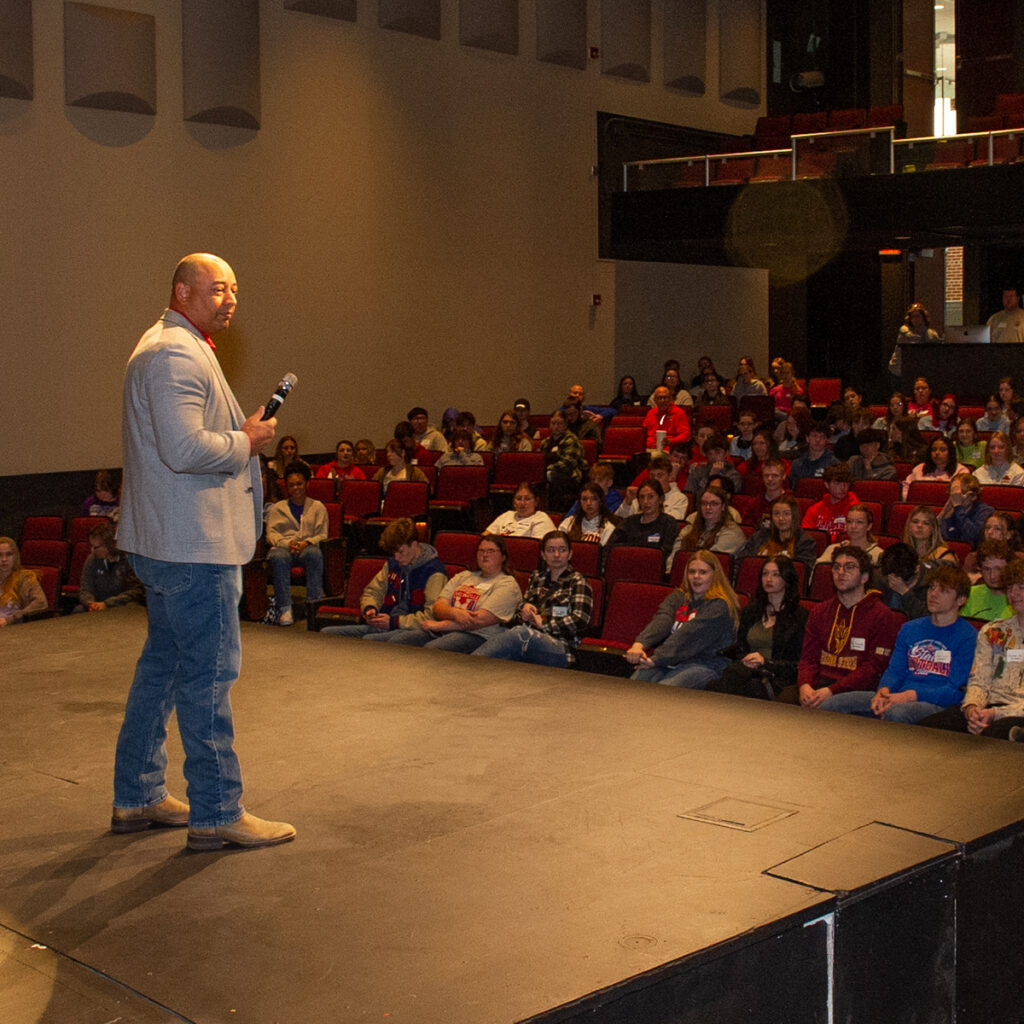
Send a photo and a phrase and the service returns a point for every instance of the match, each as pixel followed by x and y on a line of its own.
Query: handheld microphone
pixel 281 392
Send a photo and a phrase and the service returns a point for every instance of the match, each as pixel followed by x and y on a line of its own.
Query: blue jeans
pixel 311 559
pixel 858 702
pixel 191 658
pixel 692 677
pixel 521 643
pixel 413 636
pixel 464 643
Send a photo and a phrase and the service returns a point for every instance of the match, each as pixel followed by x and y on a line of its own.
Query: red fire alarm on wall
pixel 597 300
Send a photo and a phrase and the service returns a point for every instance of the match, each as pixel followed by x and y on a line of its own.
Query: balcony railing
pixel 843 154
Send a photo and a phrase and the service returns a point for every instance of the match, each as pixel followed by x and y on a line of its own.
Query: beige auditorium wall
pixel 671 311
pixel 414 221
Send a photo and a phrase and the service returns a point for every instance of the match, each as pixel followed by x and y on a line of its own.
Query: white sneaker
pixel 286 618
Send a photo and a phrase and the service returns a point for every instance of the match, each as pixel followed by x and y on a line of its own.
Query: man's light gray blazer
pixel 191 489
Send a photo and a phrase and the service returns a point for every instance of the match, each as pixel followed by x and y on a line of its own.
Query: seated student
pixel 746 424
pixel 906 442
pixel 627 395
pixel 945 419
pixel 682 644
pixel 295 529
pixel 970 452
pixel 465 420
pixel 747 381
pixel 426 436
pixel 593 522
pixel 930 662
pixel 997 467
pixel 399 468
pixel 554 614
pixel 665 416
pixel 107 578
pixel 711 393
pixel 365 453
pixel 939 463
pixel 871 463
pixel 343 467
pixel 717 464
pixel 675 503
pixel 762 449
pixel 603 474
pixel 711 527
pixel 987 599
pixel 815 460
pixel 964 513
pixel 782 535
pixel 924 536
pixel 1017 439
pixel 998 526
pixel 897 407
pixel 509 435
pixel 901 580
pixel 565 462
pixel 790 434
pixel 579 424
pixel 785 391
pixel 651 527
pixel 994 418
pixel 597 413
pixel 769 638
pixel 829 514
pixel 460 452
pixel 680 455
pixel 20 590
pixel 848 639
pixel 993 703
pixel 286 453
pixel 474 605
pixel 859 522
pixel 406 437
pixel 922 403
pixel 670 379
pixel 105 499
pixel 773 487
pixel 525 518
pixel 1012 403
pixel 394 602
pixel 848 446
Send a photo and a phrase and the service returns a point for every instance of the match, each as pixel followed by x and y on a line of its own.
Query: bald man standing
pixel 190 515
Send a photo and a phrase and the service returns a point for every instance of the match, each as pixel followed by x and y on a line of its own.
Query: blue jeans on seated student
pixel 311 559
pixel 464 643
pixel 692 677
pixel 523 643
pixel 413 636
pixel 191 658
pixel 858 702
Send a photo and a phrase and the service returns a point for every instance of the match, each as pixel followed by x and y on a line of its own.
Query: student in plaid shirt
pixel 556 610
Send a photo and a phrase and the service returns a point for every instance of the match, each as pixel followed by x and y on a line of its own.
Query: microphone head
pixel 288 381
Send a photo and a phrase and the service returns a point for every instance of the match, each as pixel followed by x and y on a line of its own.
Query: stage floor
pixel 477 841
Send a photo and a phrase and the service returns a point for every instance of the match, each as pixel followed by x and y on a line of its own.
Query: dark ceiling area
pixel 749 225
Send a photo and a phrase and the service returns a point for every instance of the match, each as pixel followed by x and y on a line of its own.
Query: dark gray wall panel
pixel 220 62
pixel 16 49
pixel 109 59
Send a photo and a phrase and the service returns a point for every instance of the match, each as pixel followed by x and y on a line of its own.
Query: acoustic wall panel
pixel 16 80
pixel 109 59
pixel 626 39
pixel 739 60
pixel 490 24
pixel 342 10
pixel 686 39
pixel 418 17
pixel 220 62
pixel 562 32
